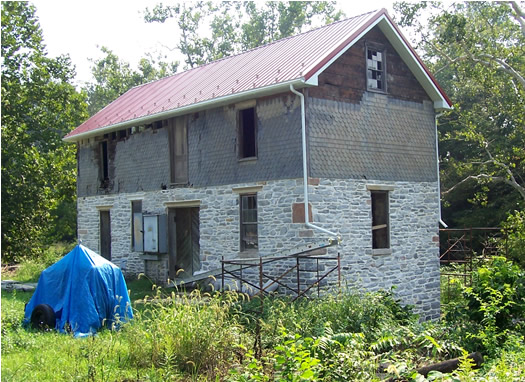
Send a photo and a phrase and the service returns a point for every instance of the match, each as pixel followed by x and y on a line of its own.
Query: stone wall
pixel 338 205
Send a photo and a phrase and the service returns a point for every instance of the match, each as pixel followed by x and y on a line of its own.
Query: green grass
pixel 209 337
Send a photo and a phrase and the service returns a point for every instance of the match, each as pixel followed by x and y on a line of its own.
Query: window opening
pixel 104 165
pixel 249 238
pixel 137 230
pixel 247 133
pixel 375 69
pixel 380 220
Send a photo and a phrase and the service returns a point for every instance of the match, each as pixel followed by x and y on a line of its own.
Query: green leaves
pixel 39 106
pixel 212 30
pixel 113 77
pixel 477 52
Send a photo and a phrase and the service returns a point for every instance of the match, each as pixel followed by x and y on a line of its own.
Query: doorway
pixel 183 241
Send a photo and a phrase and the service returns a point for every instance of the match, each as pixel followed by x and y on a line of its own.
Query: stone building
pixel 210 163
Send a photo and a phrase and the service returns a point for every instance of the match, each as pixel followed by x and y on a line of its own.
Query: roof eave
pixel 193 108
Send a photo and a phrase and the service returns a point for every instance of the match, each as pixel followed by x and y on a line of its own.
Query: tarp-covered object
pixel 85 290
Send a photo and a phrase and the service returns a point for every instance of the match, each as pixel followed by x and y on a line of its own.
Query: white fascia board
pixel 281 87
pixel 440 103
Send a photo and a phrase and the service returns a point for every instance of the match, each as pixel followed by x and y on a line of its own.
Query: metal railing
pixel 264 278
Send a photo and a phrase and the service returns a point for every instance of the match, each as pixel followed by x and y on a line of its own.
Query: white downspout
pixel 437 163
pixel 305 169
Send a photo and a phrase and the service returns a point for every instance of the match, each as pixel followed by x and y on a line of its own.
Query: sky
pixel 80 28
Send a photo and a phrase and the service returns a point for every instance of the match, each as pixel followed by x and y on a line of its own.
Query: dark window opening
pixel 247 133
pixel 105 235
pixel 137 230
pixel 249 238
pixel 375 73
pixel 104 162
pixel 380 220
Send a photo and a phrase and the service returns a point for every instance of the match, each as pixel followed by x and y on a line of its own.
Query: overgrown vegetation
pixel 346 335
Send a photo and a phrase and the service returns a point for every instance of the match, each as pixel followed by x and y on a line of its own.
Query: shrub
pixel 515 245
pixel 191 333
pixel 494 305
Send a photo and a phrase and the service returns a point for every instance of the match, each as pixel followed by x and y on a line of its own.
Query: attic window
pixel 247 133
pixel 375 69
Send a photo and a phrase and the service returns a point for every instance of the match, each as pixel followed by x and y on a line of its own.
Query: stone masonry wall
pixel 412 266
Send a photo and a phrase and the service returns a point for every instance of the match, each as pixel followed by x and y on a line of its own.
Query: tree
pixel 237 26
pixel 39 107
pixel 477 52
pixel 113 77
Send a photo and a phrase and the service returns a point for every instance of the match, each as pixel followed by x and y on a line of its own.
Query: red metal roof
pixel 290 60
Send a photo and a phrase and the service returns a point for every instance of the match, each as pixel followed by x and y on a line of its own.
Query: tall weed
pixel 193 333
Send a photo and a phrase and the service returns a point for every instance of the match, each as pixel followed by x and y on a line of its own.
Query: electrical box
pixel 155 233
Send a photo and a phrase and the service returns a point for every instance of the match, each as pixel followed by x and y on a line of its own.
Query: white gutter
pixel 214 102
pixel 305 169
pixel 437 163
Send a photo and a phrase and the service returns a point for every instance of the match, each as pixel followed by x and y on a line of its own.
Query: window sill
pixel 381 251
pixel 379 91
pixel 248 160
pixel 249 254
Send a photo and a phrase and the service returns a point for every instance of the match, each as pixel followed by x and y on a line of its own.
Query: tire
pixel 43 317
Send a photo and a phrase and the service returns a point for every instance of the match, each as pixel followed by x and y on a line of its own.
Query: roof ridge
pixel 254 49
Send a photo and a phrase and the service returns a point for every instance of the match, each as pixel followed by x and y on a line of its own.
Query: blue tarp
pixel 85 290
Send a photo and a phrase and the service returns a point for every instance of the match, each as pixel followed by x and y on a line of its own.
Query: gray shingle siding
pixel 138 163
pixel 141 161
pixel 212 142
pixel 379 138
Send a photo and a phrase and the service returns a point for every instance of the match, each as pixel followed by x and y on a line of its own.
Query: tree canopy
pixel 477 52
pixel 236 26
pixel 39 106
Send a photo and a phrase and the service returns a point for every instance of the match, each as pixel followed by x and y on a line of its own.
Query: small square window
pixel 249 237
pixel 380 220
pixel 247 133
pixel 375 72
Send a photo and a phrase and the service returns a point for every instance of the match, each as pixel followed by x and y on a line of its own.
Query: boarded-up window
pixel 137 230
pixel 375 73
pixel 249 238
pixel 380 220
pixel 178 137
pixel 247 133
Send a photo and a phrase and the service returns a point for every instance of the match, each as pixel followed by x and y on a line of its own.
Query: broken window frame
pixel 247 133
pixel 372 69
pixel 248 242
pixel 380 201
